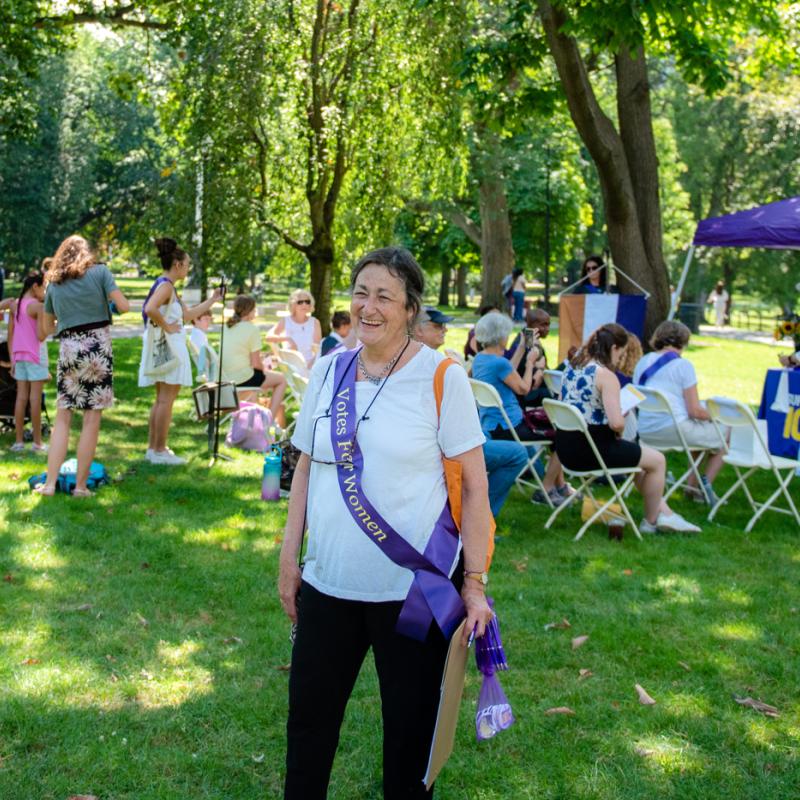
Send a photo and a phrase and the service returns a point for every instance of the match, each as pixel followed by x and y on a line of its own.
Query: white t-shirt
pixel 671 381
pixel 402 444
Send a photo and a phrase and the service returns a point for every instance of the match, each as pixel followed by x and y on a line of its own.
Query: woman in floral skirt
pixel 76 309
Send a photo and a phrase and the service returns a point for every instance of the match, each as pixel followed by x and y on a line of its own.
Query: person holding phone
pixel 537 321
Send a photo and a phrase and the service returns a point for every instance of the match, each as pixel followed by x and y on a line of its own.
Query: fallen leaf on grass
pixel 81 607
pixel 8 578
pixel 28 662
pixel 584 674
pixel 560 710
pixel 14 476
pixel 644 698
pixel 259 759
pixel 763 708
pixel 563 625
pixel 114 677
pixel 283 667
pixel 627 572
pixel 148 676
pixel 685 666
pixel 82 797
pixel 142 621
pixel 579 641
pixel 144 565
pixel 521 566
pixel 232 640
pixel 643 751
pixel 150 512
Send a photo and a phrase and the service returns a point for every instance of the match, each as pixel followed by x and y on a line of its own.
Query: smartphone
pixel 530 337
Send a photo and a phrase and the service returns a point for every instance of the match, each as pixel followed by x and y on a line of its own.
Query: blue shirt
pixel 493 369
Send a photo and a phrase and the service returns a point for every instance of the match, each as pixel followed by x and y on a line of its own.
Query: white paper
pixel 629 398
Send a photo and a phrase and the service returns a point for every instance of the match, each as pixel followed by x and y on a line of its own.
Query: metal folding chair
pixel 751 453
pixel 655 402
pixel 552 380
pixel 486 396
pixel 295 360
pixel 565 417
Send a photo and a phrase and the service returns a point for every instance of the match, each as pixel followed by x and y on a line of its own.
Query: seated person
pixel 492 367
pixel 340 329
pixel 538 320
pixel 471 346
pixel 504 462
pixel 199 332
pixel 628 360
pixel 430 327
pixel 590 385
pixel 242 362
pixel 665 369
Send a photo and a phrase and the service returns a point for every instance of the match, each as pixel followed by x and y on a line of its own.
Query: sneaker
pixel 566 491
pixel 555 498
pixel 39 448
pixel 166 457
pixel 647 527
pixel 148 456
pixel 675 522
pixel 17 447
pixel 711 497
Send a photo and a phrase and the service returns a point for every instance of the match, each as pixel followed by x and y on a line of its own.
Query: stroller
pixel 8 399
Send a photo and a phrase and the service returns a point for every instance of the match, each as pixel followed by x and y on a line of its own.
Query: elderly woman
pixel 76 309
pixel 591 385
pixel 300 330
pixel 674 376
pixel 492 367
pixel 382 551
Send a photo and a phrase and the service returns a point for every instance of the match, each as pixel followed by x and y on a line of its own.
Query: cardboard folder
pixel 444 734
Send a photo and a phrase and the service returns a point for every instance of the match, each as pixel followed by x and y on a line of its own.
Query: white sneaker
pixel 39 448
pixel 148 456
pixel 675 522
pixel 166 457
pixel 17 447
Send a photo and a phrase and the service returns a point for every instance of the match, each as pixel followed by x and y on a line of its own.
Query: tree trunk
pixel 497 250
pixel 320 257
pixel 461 285
pixel 444 287
pixel 626 162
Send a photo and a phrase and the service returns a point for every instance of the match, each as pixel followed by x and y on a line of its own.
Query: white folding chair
pixel 655 402
pixel 552 380
pixel 486 396
pixel 751 453
pixel 297 385
pixel 295 360
pixel 565 417
pixel 456 356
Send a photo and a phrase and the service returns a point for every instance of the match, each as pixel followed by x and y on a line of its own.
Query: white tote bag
pixel 159 358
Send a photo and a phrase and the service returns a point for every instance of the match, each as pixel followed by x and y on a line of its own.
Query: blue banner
pixel 780 407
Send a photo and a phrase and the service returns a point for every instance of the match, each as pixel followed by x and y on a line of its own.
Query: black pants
pixel 333 637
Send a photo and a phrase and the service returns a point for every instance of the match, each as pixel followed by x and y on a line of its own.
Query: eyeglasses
pixel 592 267
pixel 303 302
pixel 350 446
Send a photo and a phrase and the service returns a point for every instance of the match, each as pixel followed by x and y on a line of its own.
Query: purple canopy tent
pixel 775 226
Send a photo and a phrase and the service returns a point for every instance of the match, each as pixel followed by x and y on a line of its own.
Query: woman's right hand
pixel 288 588
pixel 530 359
pixel 171 327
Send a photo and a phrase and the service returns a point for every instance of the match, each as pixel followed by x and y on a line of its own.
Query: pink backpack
pixel 250 428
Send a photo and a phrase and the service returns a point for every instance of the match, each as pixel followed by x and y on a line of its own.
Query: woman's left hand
pixel 478 612
pixel 216 295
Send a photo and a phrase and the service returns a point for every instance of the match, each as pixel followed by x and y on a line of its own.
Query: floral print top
pixel 579 389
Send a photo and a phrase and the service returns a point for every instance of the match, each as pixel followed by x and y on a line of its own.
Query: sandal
pixel 44 491
pixel 82 493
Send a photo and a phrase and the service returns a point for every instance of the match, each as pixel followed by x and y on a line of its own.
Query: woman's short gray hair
pixel 493 329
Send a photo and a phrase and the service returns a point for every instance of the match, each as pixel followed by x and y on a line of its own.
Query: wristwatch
pixel 481 577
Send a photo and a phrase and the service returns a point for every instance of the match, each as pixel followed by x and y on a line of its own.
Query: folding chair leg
pixel 693 470
pixel 740 481
pixel 767 504
pixel 585 486
pixel 520 482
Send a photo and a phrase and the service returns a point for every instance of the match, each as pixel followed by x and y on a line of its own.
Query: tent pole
pixel 673 305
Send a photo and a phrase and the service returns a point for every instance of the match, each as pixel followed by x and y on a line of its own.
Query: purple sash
pixel 161 279
pixel 432 594
pixel 660 362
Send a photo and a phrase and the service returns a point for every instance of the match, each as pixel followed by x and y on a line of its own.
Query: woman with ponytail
pixel 29 364
pixel 242 360
pixel 163 308
pixel 590 384
pixel 76 309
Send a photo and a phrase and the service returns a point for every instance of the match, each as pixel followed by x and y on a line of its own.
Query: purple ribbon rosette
pixel 494 712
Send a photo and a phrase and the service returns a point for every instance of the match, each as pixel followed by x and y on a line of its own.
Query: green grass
pixel 142 645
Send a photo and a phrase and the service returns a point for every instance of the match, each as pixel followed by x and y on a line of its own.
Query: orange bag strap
pixel 452 468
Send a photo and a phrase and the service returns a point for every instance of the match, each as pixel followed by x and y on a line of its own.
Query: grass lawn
pixel 143 649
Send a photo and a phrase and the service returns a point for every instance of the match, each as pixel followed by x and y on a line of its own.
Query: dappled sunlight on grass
pixel 734 596
pixel 686 705
pixel 669 754
pixel 677 588
pixel 737 631
pixel 178 655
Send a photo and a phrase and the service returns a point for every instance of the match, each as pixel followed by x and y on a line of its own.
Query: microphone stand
pixel 217 394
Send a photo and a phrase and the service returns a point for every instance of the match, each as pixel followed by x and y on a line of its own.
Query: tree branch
pixel 453 214
pixel 303 248
pixel 116 17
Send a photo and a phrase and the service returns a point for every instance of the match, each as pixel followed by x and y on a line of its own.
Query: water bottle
pixel 271 477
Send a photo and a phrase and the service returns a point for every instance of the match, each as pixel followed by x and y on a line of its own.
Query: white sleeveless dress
pixel 302 335
pixel 181 374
